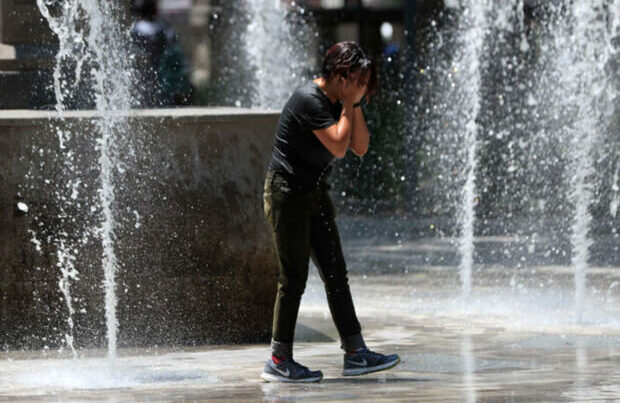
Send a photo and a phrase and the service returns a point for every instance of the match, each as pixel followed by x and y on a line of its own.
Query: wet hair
pixel 345 58
pixel 144 8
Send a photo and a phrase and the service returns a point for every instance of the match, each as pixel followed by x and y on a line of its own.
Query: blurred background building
pixel 382 27
pixel 27 47
pixel 252 53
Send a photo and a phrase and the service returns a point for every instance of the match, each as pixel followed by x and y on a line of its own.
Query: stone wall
pixel 27 49
pixel 196 262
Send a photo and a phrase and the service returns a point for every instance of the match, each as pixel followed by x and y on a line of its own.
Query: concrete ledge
pixel 26 64
pixel 26 117
pixel 196 260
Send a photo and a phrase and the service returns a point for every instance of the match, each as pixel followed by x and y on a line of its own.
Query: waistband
pixel 293 182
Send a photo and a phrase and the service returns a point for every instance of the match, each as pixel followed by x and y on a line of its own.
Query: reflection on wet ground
pixel 515 339
pixel 444 357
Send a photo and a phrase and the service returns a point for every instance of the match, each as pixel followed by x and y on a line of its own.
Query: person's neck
pixel 328 87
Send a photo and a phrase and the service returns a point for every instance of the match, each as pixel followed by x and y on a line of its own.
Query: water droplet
pixel 23 207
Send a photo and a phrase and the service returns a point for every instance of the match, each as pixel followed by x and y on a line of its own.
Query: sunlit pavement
pixel 451 351
pixel 515 338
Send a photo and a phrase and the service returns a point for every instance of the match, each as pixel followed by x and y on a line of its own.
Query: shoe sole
pixel 368 370
pixel 276 378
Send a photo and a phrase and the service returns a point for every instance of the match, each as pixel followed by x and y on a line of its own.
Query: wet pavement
pixel 448 355
pixel 514 339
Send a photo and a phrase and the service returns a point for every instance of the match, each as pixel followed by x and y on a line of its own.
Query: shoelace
pixel 295 366
pixel 366 351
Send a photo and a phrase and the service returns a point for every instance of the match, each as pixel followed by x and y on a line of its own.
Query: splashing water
pixel 612 95
pixel 516 107
pixel 71 41
pixel 615 198
pixel 590 54
pixel 90 36
pixel 575 113
pixel 467 69
pixel 276 43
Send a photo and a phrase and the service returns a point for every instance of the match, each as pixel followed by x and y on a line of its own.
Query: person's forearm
pixel 346 126
pixel 336 138
pixel 360 137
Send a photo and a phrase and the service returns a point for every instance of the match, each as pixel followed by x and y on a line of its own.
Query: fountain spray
pixel 276 43
pixel 90 35
pixel 473 25
pixel 70 43
pixel 590 53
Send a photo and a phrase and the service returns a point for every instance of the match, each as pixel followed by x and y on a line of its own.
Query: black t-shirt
pixel 297 152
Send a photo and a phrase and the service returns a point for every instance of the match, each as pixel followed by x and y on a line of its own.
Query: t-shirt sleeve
pixel 315 113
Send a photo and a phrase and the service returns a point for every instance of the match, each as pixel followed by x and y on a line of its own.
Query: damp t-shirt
pixel 298 153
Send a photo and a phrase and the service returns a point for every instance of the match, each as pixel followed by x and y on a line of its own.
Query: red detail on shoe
pixel 276 360
pixel 355 351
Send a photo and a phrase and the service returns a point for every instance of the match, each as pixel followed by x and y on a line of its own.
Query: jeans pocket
pixel 280 185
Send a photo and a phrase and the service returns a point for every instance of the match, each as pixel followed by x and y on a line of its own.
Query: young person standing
pixel 319 123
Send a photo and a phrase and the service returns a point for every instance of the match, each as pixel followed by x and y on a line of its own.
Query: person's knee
pixel 292 287
pixel 335 284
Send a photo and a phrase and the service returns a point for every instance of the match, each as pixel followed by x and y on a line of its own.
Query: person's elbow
pixel 341 145
pixel 360 151
pixel 340 150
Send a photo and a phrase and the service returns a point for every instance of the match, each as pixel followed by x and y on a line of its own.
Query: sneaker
pixel 289 370
pixel 365 361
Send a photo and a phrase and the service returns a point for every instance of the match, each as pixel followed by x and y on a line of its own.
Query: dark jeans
pixel 303 226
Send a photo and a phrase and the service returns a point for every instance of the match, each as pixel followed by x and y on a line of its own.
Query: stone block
pixel 22 23
pixel 196 260
pixel 26 89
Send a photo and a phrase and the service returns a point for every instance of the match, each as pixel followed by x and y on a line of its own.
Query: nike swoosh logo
pixel 286 373
pixel 363 363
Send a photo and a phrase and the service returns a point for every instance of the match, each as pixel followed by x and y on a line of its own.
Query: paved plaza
pixel 516 338
pixel 134 139
pixel 501 345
